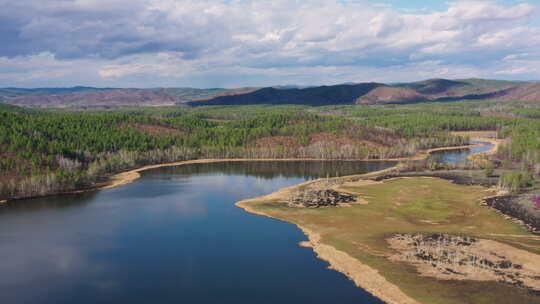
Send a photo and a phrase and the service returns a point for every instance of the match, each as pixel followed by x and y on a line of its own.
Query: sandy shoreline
pixel 495 142
pixel 364 276
pixel 130 176
pixel 127 177
pixel 483 136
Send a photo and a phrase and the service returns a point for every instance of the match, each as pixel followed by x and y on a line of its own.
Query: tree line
pixel 49 152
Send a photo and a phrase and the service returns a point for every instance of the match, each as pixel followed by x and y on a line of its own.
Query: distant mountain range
pixel 102 98
pixel 350 93
pixel 379 93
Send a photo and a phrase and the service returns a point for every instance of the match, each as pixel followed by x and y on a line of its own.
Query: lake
pixel 460 156
pixel 173 236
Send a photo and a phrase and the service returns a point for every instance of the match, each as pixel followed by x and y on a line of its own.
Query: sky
pixel 246 43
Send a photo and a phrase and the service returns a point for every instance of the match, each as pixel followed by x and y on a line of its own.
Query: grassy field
pixel 410 205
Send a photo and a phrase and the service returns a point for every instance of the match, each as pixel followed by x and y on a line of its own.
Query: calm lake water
pixel 173 236
pixel 460 156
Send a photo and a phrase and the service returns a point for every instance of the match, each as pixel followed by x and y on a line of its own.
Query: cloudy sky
pixel 234 43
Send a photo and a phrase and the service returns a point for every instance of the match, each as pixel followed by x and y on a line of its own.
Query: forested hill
pixel 361 93
pixel 378 93
pixel 315 96
pixel 44 152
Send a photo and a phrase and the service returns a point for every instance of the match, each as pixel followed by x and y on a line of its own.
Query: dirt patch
pixel 450 257
pixel 156 130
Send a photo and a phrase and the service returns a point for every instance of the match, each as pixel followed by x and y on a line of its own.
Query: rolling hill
pixel 350 93
pixel 96 98
pixel 389 94
pixel 378 93
pixel 316 96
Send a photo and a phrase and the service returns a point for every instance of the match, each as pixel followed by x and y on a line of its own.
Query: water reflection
pixel 456 157
pixel 60 202
pixel 172 236
pixel 272 169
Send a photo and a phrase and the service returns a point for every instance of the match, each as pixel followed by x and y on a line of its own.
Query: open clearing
pixel 410 206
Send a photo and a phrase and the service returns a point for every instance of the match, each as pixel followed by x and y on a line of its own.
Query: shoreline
pixel 129 176
pixel 364 276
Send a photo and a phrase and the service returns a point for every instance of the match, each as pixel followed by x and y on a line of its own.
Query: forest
pixel 44 152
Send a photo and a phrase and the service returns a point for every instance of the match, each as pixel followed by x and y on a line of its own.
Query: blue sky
pixel 236 43
pixel 434 5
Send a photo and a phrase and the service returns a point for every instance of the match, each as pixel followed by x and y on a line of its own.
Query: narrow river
pixel 173 236
pixel 460 156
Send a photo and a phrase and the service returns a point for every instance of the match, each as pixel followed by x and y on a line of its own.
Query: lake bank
pixel 177 228
pixel 129 176
pixel 150 194
pixel 361 274
pixel 364 275
pixel 361 254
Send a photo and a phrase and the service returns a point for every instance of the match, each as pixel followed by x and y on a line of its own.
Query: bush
pixel 516 181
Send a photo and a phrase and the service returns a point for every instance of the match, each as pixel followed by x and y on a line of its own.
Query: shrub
pixel 515 181
pixel 489 171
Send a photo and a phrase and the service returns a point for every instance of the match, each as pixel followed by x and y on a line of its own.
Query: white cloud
pixel 514 71
pixel 478 10
pixel 119 39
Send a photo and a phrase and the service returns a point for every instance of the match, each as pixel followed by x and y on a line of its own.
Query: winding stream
pixel 173 236
pixel 460 156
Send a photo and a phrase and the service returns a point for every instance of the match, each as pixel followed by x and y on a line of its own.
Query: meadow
pixel 410 206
